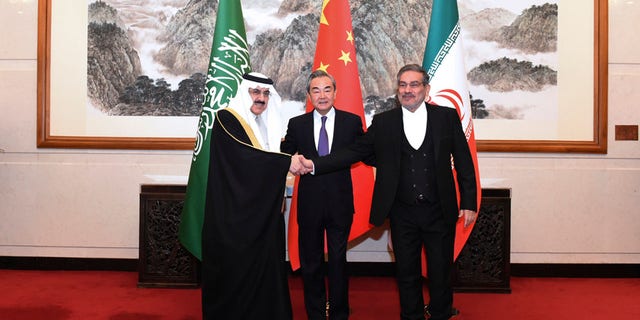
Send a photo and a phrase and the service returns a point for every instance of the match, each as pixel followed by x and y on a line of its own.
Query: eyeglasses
pixel 412 85
pixel 257 92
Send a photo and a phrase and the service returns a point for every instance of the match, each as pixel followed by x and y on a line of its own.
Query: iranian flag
pixel 336 54
pixel 229 60
pixel 444 61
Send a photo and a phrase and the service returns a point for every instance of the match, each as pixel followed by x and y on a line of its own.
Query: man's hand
pixel 307 164
pixel 297 166
pixel 469 216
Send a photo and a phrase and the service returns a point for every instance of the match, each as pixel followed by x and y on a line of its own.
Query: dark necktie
pixel 323 140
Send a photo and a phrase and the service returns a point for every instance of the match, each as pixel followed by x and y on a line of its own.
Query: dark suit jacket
pixel 335 189
pixel 383 140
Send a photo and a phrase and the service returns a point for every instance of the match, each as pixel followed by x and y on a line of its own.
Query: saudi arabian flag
pixel 229 60
pixel 444 61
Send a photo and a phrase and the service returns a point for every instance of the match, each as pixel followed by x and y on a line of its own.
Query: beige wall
pixel 566 208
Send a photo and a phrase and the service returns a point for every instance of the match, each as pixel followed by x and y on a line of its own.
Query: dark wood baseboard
pixel 372 269
pixel 71 264
pixel 533 270
pixel 614 270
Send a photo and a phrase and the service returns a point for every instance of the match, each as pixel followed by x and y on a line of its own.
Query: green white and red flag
pixel 444 61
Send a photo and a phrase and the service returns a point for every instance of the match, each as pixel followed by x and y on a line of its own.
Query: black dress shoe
pixel 454 312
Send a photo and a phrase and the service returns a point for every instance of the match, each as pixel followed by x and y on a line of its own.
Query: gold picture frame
pixel 598 140
pixel 48 138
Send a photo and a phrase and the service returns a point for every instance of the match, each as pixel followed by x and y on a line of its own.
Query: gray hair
pixel 416 68
pixel 318 74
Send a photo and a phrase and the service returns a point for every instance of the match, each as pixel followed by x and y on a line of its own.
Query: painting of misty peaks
pixel 149 58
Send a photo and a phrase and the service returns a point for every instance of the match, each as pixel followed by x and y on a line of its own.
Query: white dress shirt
pixel 415 125
pixel 328 125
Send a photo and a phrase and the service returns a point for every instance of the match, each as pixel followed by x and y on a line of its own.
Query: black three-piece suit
pixel 425 215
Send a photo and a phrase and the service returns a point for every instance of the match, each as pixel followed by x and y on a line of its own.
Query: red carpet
pixel 82 295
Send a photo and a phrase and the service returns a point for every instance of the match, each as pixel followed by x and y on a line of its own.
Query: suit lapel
pixel 338 131
pixel 397 130
pixel 308 134
pixel 395 134
pixel 435 126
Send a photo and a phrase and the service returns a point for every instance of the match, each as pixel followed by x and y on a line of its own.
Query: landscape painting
pixel 149 59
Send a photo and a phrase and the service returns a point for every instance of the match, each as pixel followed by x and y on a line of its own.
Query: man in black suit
pixel 414 148
pixel 325 202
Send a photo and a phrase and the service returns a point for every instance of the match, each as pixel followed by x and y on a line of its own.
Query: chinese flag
pixel 336 54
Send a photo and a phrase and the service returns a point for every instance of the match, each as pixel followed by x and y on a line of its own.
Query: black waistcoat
pixel 417 178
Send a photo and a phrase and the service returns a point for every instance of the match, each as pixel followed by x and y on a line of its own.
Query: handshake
pixel 300 165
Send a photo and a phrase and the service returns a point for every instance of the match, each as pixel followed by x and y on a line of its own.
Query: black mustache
pixel 259 102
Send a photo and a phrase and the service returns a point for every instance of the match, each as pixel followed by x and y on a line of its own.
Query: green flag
pixel 229 60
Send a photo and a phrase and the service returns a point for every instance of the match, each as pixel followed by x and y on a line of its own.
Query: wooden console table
pixel 162 261
pixel 483 264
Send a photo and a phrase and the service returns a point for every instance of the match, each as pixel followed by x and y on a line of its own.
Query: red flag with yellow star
pixel 336 54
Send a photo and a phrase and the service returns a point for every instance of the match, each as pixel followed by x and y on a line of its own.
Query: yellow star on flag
pixel 323 66
pixel 323 18
pixel 345 57
pixel 350 36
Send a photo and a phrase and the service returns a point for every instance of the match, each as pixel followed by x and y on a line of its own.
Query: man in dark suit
pixel 414 148
pixel 325 202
